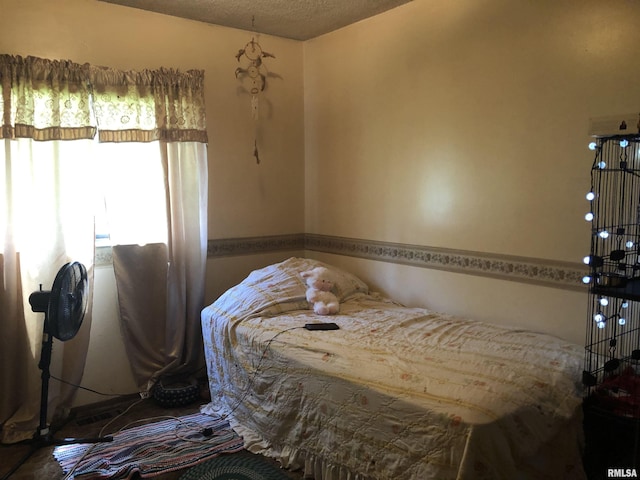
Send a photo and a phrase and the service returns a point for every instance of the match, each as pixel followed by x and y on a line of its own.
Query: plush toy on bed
pixel 319 285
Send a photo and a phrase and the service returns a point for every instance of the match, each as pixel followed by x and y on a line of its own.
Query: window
pixel 130 194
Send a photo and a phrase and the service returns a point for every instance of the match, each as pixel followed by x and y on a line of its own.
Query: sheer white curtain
pixel 46 221
pixel 48 172
pixel 187 184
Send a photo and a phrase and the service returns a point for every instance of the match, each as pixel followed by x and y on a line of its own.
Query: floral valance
pixel 61 100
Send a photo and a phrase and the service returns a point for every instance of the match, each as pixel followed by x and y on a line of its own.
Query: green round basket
pixel 234 467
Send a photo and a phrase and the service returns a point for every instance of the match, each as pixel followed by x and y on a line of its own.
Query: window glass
pixel 132 208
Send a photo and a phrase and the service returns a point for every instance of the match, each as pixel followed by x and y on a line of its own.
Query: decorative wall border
pixel 227 247
pixel 230 247
pixel 551 273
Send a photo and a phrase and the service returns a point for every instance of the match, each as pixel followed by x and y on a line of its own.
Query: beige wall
pixel 463 124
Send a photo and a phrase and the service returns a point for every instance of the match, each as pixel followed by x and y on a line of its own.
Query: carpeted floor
pixel 88 422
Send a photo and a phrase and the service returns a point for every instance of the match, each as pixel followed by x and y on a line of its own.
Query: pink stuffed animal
pixel 319 285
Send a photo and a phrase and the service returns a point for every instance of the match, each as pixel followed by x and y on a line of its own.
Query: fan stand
pixel 43 437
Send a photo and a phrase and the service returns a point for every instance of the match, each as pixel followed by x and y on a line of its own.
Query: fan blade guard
pixel 68 302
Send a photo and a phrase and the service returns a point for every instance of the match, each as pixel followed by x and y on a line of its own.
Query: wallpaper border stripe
pixel 551 273
pixel 226 247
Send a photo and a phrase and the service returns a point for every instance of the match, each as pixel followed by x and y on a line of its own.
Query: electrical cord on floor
pixel 206 432
pixel 188 374
pixel 102 430
pixel 90 389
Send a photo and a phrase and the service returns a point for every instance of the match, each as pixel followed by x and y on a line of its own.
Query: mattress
pixel 396 392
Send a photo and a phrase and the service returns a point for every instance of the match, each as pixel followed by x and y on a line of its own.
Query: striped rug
pixel 151 449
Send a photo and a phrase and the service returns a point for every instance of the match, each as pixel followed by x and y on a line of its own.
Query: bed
pixel 396 392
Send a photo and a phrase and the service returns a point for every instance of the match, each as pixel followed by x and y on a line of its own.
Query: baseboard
pixel 97 411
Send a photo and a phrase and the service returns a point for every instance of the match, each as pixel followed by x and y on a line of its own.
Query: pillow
pixel 279 288
pixel 345 284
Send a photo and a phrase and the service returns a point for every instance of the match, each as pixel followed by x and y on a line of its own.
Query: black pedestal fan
pixel 64 307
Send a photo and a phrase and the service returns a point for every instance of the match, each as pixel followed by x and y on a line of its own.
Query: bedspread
pixel 396 392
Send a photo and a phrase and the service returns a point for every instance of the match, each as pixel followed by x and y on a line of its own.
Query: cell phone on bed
pixel 321 326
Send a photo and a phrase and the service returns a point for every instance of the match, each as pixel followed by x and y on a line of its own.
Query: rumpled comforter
pixel 396 392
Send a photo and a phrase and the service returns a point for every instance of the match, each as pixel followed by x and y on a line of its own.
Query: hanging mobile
pixel 257 80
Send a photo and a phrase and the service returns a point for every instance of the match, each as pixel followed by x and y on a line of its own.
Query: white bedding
pixel 395 393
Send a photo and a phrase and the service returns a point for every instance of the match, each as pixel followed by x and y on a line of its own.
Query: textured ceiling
pixel 295 19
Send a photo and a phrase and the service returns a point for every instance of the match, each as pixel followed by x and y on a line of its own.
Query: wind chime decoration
pixel 253 54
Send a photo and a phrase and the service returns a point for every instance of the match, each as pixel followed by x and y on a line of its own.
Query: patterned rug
pixel 234 467
pixel 151 449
